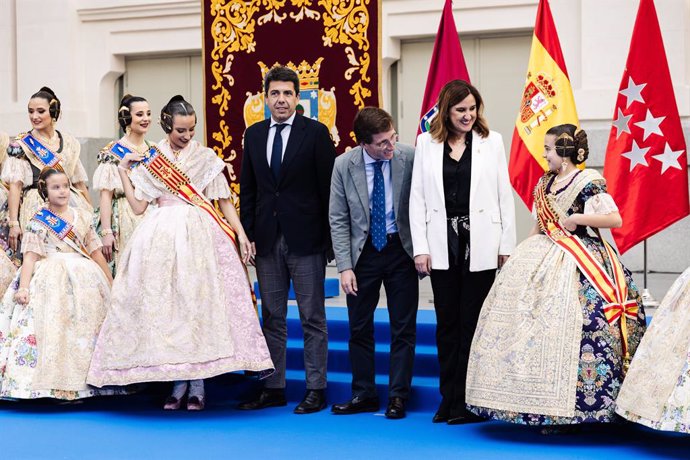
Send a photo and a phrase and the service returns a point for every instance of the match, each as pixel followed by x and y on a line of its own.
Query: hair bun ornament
pixel 580 154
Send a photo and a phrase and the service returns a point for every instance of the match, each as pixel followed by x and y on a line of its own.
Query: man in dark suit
pixel 284 188
pixel 370 229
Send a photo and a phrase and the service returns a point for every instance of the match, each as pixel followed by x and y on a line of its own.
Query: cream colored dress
pixel 656 391
pixel 181 303
pixel 46 345
pixel 123 220
pixel 22 166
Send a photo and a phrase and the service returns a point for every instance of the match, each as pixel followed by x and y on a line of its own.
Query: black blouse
pixel 456 179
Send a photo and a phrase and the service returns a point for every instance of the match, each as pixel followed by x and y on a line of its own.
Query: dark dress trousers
pixel 287 219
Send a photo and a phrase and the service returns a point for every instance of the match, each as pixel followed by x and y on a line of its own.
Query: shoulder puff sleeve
pixel 17 167
pixel 33 239
pixel 598 201
pixel 218 188
pixel 601 203
pixel 107 177
pixel 144 189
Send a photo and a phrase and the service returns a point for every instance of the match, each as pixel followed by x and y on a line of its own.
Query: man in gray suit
pixel 370 230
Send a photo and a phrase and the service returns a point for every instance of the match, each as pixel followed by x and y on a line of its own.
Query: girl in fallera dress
pixel 182 307
pixel 51 314
pixel 563 318
pixel 115 220
pixel 29 153
pixel 656 391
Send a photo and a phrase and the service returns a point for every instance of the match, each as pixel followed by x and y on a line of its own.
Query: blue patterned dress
pixel 599 372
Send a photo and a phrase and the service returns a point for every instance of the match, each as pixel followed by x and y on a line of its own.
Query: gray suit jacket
pixel 348 211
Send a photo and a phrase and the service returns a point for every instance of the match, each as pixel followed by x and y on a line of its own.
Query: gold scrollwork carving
pixel 346 23
pixel 273 6
pixel 304 11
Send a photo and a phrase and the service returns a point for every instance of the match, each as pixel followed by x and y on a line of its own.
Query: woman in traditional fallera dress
pixel 656 391
pixel 182 306
pixel 564 317
pixel 30 152
pixel 115 220
pixel 51 314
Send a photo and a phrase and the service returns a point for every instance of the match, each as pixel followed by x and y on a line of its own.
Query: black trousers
pixel 458 298
pixel 395 269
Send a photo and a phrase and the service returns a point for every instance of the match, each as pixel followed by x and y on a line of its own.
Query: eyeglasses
pixel 388 143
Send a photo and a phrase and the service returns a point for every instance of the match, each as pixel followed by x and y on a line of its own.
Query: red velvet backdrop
pixel 334 45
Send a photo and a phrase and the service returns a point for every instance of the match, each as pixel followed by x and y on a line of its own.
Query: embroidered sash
pixel 177 182
pixel 62 229
pixel 45 156
pixel 614 290
pixel 120 151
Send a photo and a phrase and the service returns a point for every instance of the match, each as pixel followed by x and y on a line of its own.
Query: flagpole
pixel 647 299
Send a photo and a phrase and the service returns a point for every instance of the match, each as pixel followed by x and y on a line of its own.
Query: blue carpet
pixel 134 427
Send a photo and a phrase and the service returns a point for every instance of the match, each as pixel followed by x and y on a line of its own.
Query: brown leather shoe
pixel 314 401
pixel 269 397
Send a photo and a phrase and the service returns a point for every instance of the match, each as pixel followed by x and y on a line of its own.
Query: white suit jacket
pixel 492 210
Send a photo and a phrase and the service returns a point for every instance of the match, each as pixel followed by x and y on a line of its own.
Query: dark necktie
pixel 378 209
pixel 277 151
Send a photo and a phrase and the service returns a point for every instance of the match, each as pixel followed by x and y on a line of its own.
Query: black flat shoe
pixel 314 401
pixel 267 398
pixel 465 417
pixel 356 405
pixel 396 408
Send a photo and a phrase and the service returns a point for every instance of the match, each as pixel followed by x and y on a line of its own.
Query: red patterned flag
pixel 447 63
pixel 547 100
pixel 646 160
pixel 333 45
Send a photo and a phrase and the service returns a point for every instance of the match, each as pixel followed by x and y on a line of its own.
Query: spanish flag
pixel 547 101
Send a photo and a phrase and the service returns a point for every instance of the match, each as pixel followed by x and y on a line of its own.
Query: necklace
pixel 553 181
pixel 141 149
pixel 558 180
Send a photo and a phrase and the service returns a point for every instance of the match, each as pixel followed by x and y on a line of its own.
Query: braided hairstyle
pixel 124 113
pixel 571 142
pixel 175 106
pixel 54 106
pixel 43 177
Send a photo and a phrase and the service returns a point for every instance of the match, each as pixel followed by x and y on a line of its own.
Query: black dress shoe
pixel 465 417
pixel 396 408
pixel 356 405
pixel 314 401
pixel 269 397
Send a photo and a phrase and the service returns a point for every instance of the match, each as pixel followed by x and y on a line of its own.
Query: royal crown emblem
pixel 536 107
pixel 315 103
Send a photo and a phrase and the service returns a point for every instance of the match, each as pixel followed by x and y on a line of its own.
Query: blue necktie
pixel 277 151
pixel 378 209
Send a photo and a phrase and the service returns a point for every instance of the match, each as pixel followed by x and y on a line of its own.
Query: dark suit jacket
pixel 298 202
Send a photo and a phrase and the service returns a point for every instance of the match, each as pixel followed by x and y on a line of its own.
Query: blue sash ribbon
pixel 61 229
pixel 120 151
pixel 40 151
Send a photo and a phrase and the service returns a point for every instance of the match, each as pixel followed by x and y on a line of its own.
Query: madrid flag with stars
pixel 646 165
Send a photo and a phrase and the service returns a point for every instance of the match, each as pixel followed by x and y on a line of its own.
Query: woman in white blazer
pixel 462 220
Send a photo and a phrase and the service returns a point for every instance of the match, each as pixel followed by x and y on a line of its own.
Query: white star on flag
pixel 622 123
pixel 669 159
pixel 636 155
pixel 650 125
pixel 633 92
